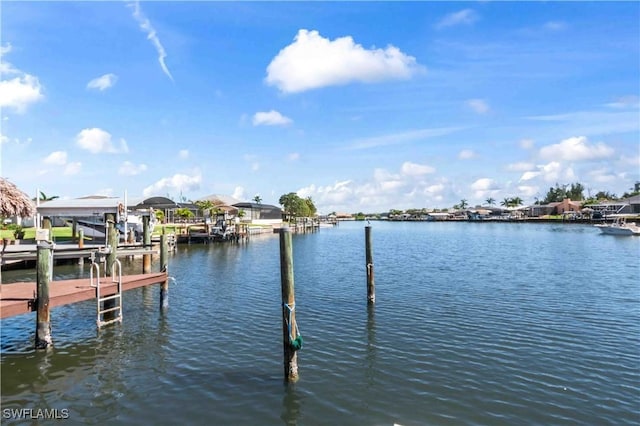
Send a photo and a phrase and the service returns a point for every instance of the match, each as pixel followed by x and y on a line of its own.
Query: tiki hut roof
pixel 14 202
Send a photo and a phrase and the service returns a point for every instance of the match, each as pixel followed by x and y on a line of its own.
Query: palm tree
pixel 43 197
pixel 506 202
pixel 257 199
pixel 490 201
pixel 516 201
pixel 463 204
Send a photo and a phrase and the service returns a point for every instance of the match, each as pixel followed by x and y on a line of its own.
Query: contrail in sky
pixel 146 26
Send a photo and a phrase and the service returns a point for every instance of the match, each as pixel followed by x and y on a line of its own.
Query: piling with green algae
pixel 291 338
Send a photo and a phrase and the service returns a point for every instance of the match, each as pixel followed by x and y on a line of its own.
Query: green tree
pixel 184 213
pixel 43 197
pixel 516 201
pixel 463 204
pixel 311 207
pixel 205 206
pixel 490 201
pixel 257 199
pixel 294 206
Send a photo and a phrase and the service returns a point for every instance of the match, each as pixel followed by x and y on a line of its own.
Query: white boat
pixel 619 227
pixel 95 227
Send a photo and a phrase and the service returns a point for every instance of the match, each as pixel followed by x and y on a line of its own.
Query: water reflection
pixel 291 405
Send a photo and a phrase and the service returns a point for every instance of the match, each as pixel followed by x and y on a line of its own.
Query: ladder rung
pixel 110 310
pixel 115 296
pixel 101 323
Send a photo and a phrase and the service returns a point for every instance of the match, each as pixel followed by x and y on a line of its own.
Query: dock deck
pixel 20 298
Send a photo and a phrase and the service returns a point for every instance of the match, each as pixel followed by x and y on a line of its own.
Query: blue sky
pixel 362 106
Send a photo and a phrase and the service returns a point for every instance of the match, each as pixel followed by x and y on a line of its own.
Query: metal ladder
pixel 116 278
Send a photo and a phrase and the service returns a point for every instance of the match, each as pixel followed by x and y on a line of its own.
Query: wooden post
pixel 371 287
pixel 289 327
pixel 43 317
pixel 46 223
pixel 146 239
pixel 112 242
pixel 164 289
pixel 74 230
pixel 81 245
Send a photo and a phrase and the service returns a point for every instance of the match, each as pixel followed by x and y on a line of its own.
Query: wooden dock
pixel 20 298
pixel 27 253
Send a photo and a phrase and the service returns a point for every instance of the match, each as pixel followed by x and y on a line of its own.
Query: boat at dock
pixel 94 226
pixel 619 227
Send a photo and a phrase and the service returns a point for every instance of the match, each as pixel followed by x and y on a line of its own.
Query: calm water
pixel 475 324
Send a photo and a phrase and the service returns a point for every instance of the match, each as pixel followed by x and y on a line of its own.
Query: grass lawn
pixel 62 232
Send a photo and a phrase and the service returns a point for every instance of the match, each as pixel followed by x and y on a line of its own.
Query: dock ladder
pixel 116 278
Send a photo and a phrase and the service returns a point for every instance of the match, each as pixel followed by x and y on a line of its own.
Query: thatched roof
pixel 14 202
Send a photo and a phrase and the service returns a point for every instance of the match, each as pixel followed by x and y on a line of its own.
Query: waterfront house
pixel 260 214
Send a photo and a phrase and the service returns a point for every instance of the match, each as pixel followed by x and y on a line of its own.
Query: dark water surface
pixel 474 324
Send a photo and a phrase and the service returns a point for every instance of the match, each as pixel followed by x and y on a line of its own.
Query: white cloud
pixel 184 154
pixel 555 26
pixel 434 189
pixel 271 118
pixel 529 175
pixel 103 82
pixel 56 158
pixel 412 169
pixel 129 169
pixel 398 138
pixel 313 61
pixel 527 191
pixel 575 149
pixel 466 154
pixel 176 183
pixel 238 193
pixel 96 140
pixel 527 143
pixel 145 25
pixel 556 172
pixel 20 91
pixel 520 167
pixel 479 106
pixel 465 16
pixel 253 161
pixel 73 168
pixel 294 156
pixel 484 187
pixel 630 101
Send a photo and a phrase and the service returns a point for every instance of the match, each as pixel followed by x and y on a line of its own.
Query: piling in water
pixel 164 289
pixel 291 340
pixel 43 315
pixel 146 239
pixel 371 287
pixel 112 242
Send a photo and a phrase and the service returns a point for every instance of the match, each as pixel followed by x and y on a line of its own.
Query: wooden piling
pixel 164 289
pixel 112 242
pixel 371 287
pixel 146 239
pixel 289 327
pixel 43 316
pixel 74 230
pixel 80 238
